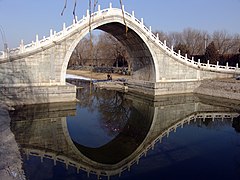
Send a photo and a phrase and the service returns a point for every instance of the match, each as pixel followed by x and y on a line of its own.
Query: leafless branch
pixel 65 6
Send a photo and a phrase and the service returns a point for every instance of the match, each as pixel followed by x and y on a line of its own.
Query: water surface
pixel 115 135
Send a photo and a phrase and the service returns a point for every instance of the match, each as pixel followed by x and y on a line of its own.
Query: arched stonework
pixel 35 73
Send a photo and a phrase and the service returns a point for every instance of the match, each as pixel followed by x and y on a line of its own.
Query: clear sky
pixel 23 19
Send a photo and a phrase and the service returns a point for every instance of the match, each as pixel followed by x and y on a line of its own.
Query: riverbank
pixel 224 88
pixel 10 158
pixel 117 82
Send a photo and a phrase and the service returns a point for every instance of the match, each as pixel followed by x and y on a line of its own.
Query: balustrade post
pixel 64 27
pixel 165 43
pixel 175 129
pixel 133 14
pixel 237 65
pixel 217 64
pixel 153 144
pixel 227 65
pixel 150 31
pixel 41 156
pixel 21 46
pixel 129 167
pixel 199 63
pixel 186 56
pixel 123 8
pixel 110 5
pixel 142 23
pixel 172 48
pixel 51 33
pixel 160 140
pixel 207 63
pixel 87 13
pixel 99 8
pixel 37 40
pixel 157 36
pixel 179 52
pixel 193 59
pixel 67 164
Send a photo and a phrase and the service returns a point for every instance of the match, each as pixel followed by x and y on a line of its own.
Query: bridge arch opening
pixel 106 53
pixel 138 59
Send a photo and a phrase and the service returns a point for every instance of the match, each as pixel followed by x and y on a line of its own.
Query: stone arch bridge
pixel 35 73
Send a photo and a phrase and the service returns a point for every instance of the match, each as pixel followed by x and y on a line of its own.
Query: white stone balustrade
pixel 56 36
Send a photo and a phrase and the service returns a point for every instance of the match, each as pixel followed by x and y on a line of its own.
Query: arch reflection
pixel 43 132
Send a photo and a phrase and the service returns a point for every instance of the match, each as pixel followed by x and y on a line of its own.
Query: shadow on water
pixel 121 135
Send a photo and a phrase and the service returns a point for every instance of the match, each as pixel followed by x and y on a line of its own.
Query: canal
pixel 119 135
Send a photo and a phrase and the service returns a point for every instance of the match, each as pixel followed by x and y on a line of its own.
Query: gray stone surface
pixel 37 94
pixel 10 159
pixel 224 88
pixel 44 62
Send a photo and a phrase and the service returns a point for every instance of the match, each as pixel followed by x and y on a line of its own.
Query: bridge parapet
pixel 130 17
pixel 58 36
pixel 156 68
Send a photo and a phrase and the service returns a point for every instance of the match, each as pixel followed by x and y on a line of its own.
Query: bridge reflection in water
pixel 133 126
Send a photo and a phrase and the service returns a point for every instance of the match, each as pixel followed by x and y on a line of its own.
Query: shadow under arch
pixel 142 57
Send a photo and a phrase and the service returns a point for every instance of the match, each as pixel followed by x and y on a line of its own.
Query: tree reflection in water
pixel 150 144
pixel 114 110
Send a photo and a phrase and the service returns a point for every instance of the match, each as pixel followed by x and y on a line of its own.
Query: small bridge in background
pixel 35 73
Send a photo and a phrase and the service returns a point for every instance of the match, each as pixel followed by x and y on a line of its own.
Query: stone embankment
pixel 224 88
pixel 10 158
pixel 112 85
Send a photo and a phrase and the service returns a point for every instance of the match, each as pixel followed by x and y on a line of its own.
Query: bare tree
pixel 236 44
pixel 80 55
pixel 109 48
pixel 194 40
pixel 182 48
pixel 223 41
pixel 104 51
pixel 162 36
pixel 175 38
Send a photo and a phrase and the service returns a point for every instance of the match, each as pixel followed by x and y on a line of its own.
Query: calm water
pixel 116 135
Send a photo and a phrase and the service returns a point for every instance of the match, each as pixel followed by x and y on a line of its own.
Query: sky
pixel 23 19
